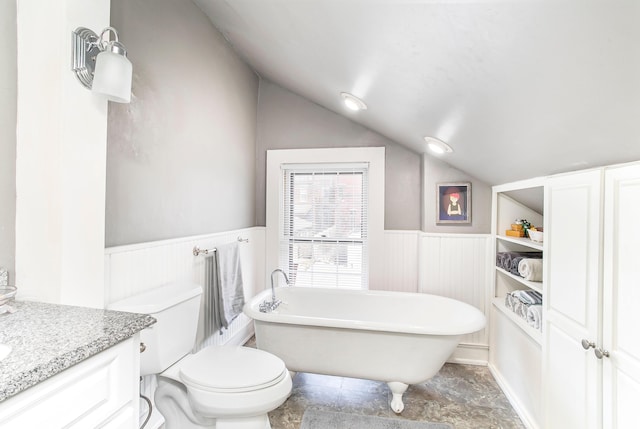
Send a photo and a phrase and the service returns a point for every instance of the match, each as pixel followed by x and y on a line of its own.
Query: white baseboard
pixel 470 354
pixel 242 336
pixel 526 418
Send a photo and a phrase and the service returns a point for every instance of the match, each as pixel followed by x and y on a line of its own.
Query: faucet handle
pixel 269 306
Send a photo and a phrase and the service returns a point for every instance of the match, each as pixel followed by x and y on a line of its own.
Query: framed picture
pixel 453 202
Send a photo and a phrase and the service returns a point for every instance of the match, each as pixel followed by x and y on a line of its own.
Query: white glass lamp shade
pixel 113 73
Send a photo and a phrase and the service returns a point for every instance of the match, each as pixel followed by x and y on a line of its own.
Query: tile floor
pixel 465 396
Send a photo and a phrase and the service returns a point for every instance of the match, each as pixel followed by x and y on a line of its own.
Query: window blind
pixel 324 215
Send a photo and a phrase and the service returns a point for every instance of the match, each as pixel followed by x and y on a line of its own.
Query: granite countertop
pixel 48 338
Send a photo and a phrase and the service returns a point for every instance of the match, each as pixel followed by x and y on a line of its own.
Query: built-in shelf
pixel 523 241
pixel 515 346
pixel 537 286
pixel 535 334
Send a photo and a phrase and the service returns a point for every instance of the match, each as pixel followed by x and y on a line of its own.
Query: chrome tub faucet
pixel 269 306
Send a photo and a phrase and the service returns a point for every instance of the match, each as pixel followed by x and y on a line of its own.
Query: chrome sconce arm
pixel 101 65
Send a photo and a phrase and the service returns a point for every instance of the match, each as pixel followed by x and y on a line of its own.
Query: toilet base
pixel 172 402
pixel 257 422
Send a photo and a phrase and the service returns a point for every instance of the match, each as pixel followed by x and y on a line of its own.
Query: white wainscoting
pixel 401 268
pixel 132 269
pixel 451 265
pixel 457 266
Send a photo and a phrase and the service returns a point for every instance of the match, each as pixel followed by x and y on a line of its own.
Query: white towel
pixel 508 301
pixel 530 297
pixel 531 269
pixel 517 307
pixel 231 287
pixel 534 316
pixel 522 310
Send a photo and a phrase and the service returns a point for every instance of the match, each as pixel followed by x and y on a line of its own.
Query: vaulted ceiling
pixel 518 88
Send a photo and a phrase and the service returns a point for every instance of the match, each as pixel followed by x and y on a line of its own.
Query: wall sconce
pixel 102 65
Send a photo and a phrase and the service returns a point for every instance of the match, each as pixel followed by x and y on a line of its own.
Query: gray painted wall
pixel 181 156
pixel 8 106
pixel 289 121
pixel 438 171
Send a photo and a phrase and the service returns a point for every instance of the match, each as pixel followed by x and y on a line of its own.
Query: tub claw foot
pixel 397 389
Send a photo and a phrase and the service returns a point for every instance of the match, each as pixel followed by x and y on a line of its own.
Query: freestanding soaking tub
pixel 395 337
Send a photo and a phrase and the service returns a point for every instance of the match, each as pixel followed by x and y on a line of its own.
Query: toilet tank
pixel 176 307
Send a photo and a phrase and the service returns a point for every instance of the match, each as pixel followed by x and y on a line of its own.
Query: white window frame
pixel 374 156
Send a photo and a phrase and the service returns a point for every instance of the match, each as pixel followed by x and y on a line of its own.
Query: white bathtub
pixel 400 338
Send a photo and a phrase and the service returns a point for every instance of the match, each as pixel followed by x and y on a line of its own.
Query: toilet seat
pixel 232 369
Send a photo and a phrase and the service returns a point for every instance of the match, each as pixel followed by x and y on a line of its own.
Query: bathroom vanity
pixel 70 367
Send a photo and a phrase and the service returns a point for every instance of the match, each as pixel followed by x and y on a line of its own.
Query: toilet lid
pixel 232 368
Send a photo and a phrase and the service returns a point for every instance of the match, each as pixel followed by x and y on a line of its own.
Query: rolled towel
pixel 513 268
pixel 530 297
pixel 500 259
pixel 534 316
pixel 530 269
pixel 522 310
pixel 508 301
pixel 503 259
pixel 506 260
pixel 515 260
pixel 517 307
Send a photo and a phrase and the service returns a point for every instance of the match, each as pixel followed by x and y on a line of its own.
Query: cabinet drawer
pixel 83 396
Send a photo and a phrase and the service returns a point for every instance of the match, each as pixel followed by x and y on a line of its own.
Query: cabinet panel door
pixel 571 300
pixel 622 298
pixel 569 386
pixel 83 396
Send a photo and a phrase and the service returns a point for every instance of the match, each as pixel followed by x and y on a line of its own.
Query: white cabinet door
pixel 572 382
pixel 101 391
pixel 621 312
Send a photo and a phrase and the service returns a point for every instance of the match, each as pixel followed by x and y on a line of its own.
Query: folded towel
pixel 224 292
pixel 231 286
pixel 530 297
pixel 212 306
pixel 534 316
pixel 530 269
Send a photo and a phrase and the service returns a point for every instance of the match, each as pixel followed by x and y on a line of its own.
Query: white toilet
pixel 226 387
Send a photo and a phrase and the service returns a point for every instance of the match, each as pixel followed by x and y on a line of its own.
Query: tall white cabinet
pixel 572 300
pixel 586 372
pixel 621 299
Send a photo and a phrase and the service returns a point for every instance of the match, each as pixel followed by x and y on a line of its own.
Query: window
pixel 325 216
pixel 324 230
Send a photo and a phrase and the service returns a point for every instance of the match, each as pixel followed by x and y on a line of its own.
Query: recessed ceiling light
pixel 352 102
pixel 437 146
